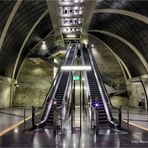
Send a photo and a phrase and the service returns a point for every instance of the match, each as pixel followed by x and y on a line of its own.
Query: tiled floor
pixel 106 137
pixel 11 116
pixel 137 116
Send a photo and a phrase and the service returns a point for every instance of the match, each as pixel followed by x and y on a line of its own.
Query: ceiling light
pixel 76 68
pixel 43 42
pixel 76 1
pixel 71 36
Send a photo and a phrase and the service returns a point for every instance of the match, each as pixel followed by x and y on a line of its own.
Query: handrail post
pixel 128 118
pixel 24 118
pixel 33 116
pixel 54 121
pixel 97 122
pixel 72 120
pixel 61 121
pixel 91 118
pixel 120 116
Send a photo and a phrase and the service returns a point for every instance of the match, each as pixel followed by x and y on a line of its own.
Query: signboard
pixel 76 78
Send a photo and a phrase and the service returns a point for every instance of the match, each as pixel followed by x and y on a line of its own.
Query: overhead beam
pixel 53 12
pixel 10 18
pixel 25 41
pixel 21 49
pixel 89 7
pixel 32 49
pixel 131 14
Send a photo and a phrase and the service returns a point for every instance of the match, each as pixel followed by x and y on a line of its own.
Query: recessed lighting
pixel 71 35
pixel 76 68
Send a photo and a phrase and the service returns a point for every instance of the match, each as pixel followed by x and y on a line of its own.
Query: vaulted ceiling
pixel 121 24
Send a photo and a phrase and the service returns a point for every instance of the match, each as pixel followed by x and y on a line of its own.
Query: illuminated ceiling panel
pixel 71 17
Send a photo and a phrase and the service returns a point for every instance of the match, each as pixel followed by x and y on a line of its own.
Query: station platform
pixel 137 136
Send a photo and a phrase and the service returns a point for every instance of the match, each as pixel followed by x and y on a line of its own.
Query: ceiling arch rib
pixel 26 39
pixel 132 47
pixel 11 16
pixel 25 17
pixel 137 6
pixel 134 15
pixel 120 61
pixel 47 36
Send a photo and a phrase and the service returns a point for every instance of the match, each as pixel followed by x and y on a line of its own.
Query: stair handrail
pixel 51 95
pixel 103 91
pixel 68 81
pixel 54 81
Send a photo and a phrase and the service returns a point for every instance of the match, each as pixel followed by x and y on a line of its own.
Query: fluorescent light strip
pixel 70 35
pixel 76 68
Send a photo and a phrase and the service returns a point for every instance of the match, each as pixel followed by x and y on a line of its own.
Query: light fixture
pixel 76 1
pixel 43 46
pixel 137 82
pixel 92 45
pixel 70 35
pixel 76 68
pixel 17 84
pixel 85 41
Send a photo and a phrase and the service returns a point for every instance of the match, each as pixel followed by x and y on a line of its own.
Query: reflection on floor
pixel 12 117
pixel 65 138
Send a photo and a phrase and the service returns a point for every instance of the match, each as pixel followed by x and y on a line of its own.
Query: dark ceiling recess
pixel 133 63
pixel 24 19
pixel 5 9
pixel 134 31
pixel 131 29
pixel 40 32
pixel 138 6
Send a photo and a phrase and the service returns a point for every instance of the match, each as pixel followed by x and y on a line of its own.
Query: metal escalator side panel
pixel 53 93
pixel 88 59
pixel 103 93
pixel 68 60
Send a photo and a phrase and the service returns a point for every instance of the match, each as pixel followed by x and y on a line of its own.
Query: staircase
pixel 57 93
pixel 59 97
pixel 94 91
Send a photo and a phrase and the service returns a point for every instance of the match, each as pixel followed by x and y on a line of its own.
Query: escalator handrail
pixel 52 94
pixel 103 89
pixel 101 82
pixel 55 79
pixel 69 78
pixel 51 88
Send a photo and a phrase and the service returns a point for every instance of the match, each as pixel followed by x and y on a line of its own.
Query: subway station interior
pixel 73 73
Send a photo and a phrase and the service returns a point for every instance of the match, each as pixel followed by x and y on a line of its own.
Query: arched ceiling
pixel 24 19
pixel 130 29
pixel 31 23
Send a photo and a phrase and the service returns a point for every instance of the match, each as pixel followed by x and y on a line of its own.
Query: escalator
pixel 57 95
pixel 98 95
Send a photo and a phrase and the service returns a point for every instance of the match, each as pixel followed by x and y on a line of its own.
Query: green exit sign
pixel 76 78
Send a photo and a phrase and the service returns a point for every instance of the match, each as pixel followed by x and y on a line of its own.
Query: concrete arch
pixel 20 51
pixel 49 35
pixel 25 41
pixel 119 60
pixel 131 14
pixel 10 18
pixel 132 47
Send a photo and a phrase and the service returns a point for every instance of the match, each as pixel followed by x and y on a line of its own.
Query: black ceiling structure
pixel 130 29
pixel 26 16
pixel 29 12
